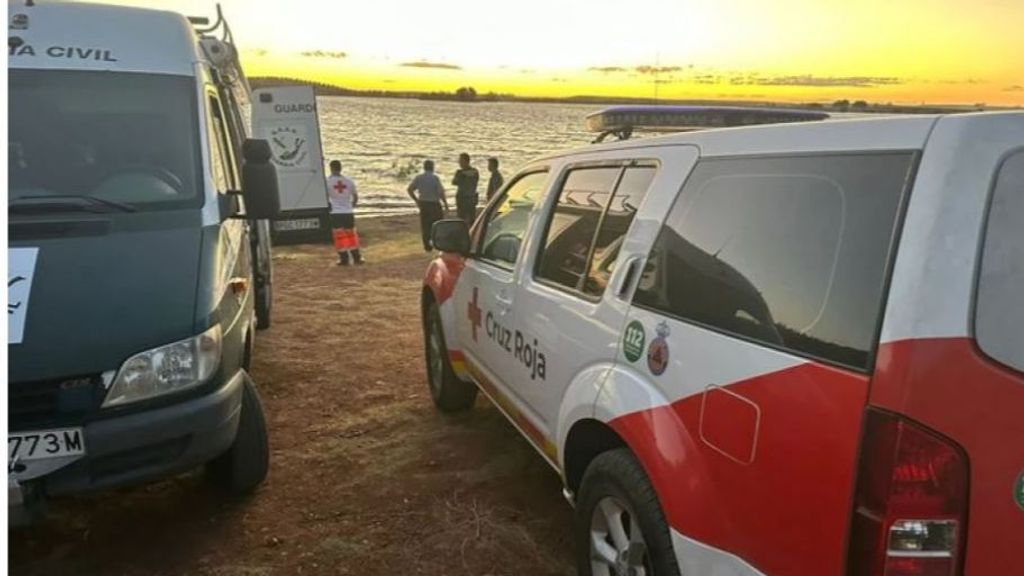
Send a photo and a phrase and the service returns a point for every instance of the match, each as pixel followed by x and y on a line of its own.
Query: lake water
pixel 382 142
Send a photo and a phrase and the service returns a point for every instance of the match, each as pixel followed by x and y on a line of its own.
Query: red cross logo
pixel 340 186
pixel 474 313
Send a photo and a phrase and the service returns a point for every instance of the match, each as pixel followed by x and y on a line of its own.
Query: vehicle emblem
pixel 19 22
pixel 474 313
pixel 633 341
pixel 657 352
pixel 289 148
pixel 1018 491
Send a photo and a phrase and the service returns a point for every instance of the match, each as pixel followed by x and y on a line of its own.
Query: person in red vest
pixel 342 195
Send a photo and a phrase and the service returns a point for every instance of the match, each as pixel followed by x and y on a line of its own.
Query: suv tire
pixel 244 466
pixel 450 394
pixel 619 524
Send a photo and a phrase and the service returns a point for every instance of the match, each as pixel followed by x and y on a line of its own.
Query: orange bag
pixel 345 239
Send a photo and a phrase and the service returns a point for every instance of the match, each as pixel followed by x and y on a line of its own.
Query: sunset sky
pixel 906 51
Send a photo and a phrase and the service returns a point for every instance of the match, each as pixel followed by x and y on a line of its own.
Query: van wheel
pixel 244 466
pixel 449 393
pixel 620 528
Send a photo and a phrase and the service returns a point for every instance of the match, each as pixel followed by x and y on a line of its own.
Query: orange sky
pixel 908 51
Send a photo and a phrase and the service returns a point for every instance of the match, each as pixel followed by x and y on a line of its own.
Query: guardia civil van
pixel 793 349
pixel 138 267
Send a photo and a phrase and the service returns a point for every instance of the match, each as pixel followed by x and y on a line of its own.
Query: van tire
pixel 450 394
pixel 615 478
pixel 244 466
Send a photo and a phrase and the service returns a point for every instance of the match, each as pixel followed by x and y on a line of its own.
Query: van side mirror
pixel 259 180
pixel 450 235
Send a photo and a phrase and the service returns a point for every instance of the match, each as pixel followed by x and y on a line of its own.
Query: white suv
pixel 791 349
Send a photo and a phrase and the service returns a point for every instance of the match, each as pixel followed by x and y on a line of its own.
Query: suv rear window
pixel 791 252
pixel 999 317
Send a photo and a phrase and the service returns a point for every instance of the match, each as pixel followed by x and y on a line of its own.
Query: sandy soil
pixel 366 477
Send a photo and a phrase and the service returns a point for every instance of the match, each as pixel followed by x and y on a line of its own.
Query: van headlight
pixel 167 369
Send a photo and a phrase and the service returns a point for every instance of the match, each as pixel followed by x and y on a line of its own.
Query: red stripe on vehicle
pixel 772 484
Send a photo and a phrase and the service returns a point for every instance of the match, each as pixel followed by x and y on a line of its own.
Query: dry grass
pixel 366 478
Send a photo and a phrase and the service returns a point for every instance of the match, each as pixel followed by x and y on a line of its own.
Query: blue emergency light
pixel 622 121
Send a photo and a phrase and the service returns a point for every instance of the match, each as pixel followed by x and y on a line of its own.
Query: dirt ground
pixel 366 476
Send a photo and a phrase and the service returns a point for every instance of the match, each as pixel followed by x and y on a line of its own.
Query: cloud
pixel 657 69
pixel 643 69
pixel 1014 88
pixel 324 54
pixel 426 64
pixel 815 81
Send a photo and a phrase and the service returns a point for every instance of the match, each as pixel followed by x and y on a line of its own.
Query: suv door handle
pixel 628 277
pixel 504 302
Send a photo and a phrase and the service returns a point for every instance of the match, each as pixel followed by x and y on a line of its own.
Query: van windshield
pixel 116 137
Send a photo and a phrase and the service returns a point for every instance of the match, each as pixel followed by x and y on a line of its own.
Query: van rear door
pixel 286 117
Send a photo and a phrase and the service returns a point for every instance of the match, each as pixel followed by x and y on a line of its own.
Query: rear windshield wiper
pixel 42 203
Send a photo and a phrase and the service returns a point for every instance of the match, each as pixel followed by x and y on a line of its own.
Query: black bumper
pixel 153 444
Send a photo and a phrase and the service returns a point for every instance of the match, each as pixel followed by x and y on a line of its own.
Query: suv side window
pixel 506 222
pixel 632 189
pixel 791 252
pixel 573 224
pixel 585 230
pixel 999 316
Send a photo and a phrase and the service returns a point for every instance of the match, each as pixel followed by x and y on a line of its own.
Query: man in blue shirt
pixel 428 193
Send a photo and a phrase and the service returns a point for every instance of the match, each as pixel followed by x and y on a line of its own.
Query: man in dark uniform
pixel 496 181
pixel 465 182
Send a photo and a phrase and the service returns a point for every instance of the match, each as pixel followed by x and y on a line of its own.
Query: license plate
pixel 22 446
pixel 297 224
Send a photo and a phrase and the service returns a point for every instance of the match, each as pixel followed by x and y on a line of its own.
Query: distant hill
pixel 468 94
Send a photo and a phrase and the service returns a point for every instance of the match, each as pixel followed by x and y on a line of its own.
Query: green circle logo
pixel 1018 491
pixel 633 341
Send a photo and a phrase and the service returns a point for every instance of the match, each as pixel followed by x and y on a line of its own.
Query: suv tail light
pixel 910 508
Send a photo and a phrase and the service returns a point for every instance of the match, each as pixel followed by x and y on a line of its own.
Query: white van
pixel 775 350
pixel 138 260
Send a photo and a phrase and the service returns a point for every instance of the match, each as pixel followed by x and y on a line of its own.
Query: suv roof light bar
pixel 622 121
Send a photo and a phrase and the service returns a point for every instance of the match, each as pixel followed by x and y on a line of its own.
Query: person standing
pixel 496 181
pixel 343 198
pixel 465 182
pixel 428 193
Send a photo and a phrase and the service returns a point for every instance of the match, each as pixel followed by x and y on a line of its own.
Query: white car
pixel 791 349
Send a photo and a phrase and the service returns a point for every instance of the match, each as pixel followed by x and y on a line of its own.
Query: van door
pixel 570 298
pixel 233 258
pixel 753 329
pixel 287 118
pixel 485 323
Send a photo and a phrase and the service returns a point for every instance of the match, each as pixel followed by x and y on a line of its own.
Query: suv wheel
pixel 244 466
pixel 449 393
pixel 620 528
